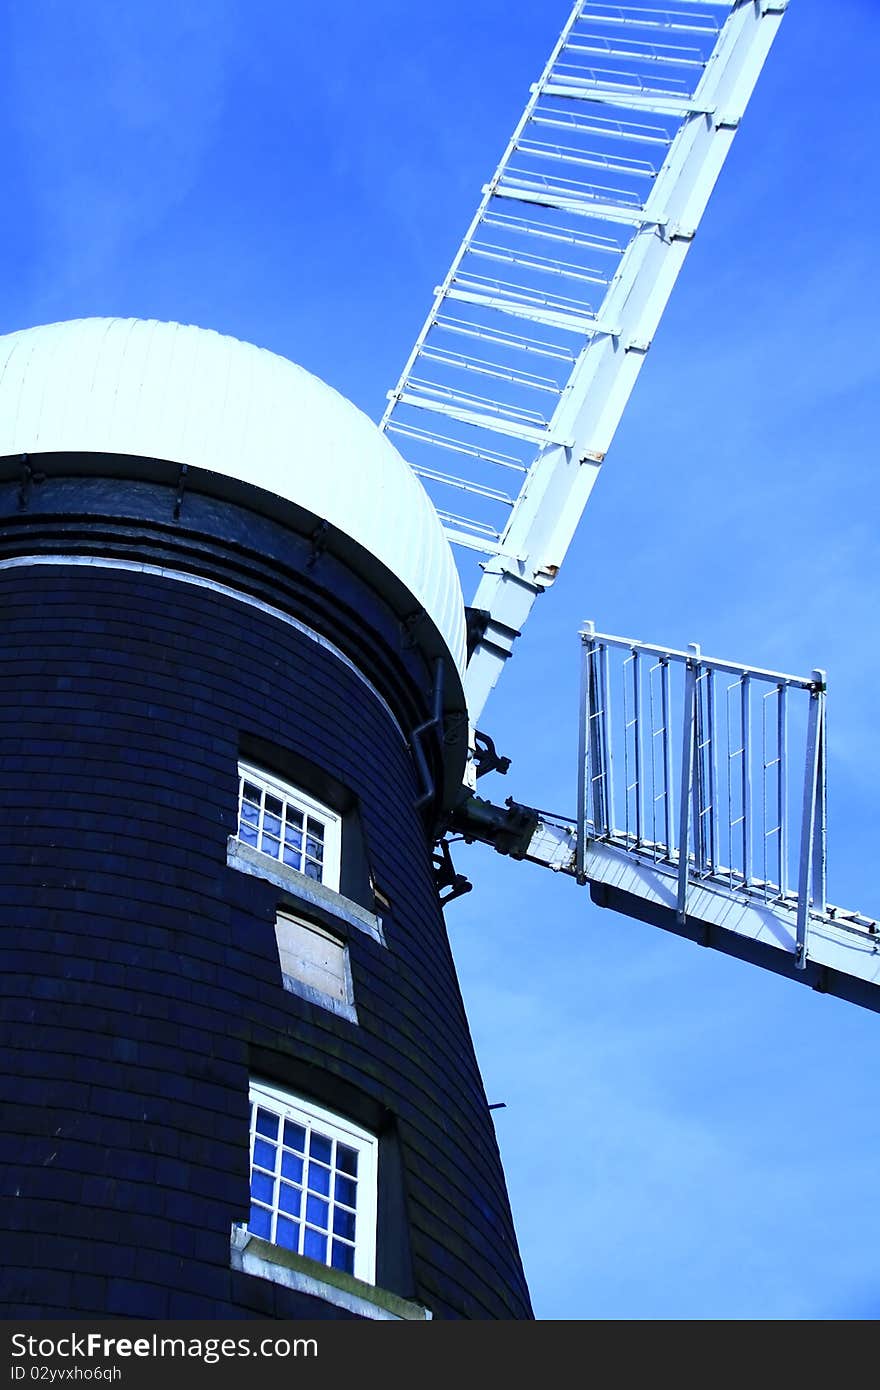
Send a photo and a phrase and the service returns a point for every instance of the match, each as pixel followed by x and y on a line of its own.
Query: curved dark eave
pixel 232 533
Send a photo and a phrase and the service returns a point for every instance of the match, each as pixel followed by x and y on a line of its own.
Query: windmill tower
pixel 476 815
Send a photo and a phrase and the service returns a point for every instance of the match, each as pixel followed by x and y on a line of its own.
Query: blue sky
pixel 684 1136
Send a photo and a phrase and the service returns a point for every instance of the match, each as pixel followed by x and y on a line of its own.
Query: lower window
pixel 313 1182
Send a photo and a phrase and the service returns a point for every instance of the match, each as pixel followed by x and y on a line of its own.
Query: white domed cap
pixel 191 396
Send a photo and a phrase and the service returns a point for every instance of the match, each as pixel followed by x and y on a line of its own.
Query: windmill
pixel 497 920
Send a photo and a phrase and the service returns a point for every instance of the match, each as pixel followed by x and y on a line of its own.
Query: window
pixel 313 1182
pixel 314 964
pixel 288 826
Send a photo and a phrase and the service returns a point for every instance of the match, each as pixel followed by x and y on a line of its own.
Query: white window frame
pixel 339 1130
pixel 306 806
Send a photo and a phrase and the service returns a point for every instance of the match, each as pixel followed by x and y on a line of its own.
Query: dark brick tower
pixel 231 719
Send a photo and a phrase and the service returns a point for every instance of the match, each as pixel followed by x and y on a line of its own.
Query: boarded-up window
pixel 315 960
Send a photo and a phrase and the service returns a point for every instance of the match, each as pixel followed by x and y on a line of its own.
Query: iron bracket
pixel 27 479
pixel 318 543
pixel 181 489
pixel 486 758
pixel 446 877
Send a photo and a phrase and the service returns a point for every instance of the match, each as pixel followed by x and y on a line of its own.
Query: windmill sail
pixel 701 809
pixel 702 782
pixel 511 396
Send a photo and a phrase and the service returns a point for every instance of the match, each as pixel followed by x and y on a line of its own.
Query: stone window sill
pixel 254 1256
pixel 308 890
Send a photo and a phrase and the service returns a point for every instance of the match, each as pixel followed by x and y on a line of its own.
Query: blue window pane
pixel 318 1211
pixel 269 845
pixel 346 1160
pixel 343 1223
pixel 291 1167
pixel 312 870
pixel 314 848
pixel 267 1124
pixel 343 1257
pixel 260 1222
pixel 346 1191
pixel 294 1136
pixel 248 834
pixel 315 1246
pixel 272 825
pixel 250 813
pixel 320 1147
pixel 261 1187
pixel 293 835
pixel 319 1179
pixel 264 1154
pixel 289 1198
pixel 287 1233
pixel 292 857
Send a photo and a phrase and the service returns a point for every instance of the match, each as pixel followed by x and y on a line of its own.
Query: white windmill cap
pixel 191 396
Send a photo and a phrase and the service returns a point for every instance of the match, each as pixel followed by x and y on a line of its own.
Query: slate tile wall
pixel 140 977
